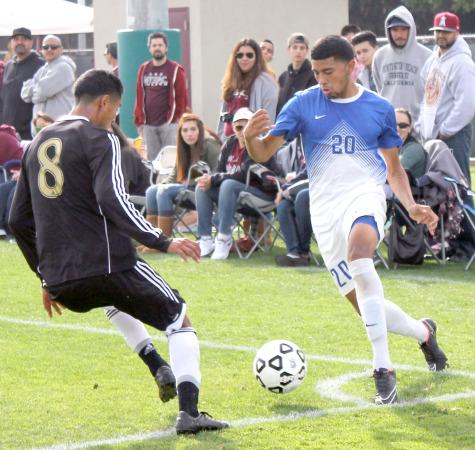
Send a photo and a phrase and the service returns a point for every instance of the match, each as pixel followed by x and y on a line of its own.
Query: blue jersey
pixel 342 140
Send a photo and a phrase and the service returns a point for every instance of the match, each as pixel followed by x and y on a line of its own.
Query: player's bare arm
pixel 399 183
pixel 261 149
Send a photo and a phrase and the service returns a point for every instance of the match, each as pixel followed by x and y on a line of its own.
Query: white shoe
pixel 222 247
pixel 206 245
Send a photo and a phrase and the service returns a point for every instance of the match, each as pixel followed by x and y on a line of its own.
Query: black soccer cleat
pixel 435 357
pixel 166 383
pixel 385 380
pixel 186 424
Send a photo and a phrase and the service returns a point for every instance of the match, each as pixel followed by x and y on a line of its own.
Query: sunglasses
pixel 403 125
pixel 238 127
pixel 249 55
pixel 52 47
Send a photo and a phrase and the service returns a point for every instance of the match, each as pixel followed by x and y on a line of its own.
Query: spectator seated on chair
pixel 293 212
pixel 10 147
pixel 194 143
pixel 412 154
pixel 11 153
pixel 223 189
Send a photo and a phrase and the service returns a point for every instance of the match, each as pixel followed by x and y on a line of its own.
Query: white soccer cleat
pixel 206 246
pixel 222 248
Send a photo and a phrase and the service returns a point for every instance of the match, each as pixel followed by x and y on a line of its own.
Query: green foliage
pixel 67 385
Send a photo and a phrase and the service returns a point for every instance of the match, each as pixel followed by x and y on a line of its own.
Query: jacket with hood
pixel 177 99
pixel 397 71
pixel 14 111
pixel 449 98
pixel 51 88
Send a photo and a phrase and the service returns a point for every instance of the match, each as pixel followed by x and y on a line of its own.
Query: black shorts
pixel 140 292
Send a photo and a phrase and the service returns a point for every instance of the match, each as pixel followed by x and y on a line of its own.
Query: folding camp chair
pixel 185 201
pixel 469 211
pixel 250 205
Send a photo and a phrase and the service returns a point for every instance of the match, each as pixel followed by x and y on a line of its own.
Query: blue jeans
pixel 7 190
pixel 225 196
pixel 461 144
pixel 295 224
pixel 159 199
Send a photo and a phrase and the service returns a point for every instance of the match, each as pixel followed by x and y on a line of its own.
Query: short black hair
pixel 365 36
pixel 268 41
pixel 111 48
pixel 97 82
pixel 157 35
pixel 350 28
pixel 332 47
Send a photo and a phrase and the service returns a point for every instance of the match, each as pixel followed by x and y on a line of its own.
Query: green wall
pixel 132 52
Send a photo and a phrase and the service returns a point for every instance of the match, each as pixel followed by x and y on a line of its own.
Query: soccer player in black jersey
pixel 73 222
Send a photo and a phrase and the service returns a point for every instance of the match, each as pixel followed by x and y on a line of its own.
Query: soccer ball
pixel 280 366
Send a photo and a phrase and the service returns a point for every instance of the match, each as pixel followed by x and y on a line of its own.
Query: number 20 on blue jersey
pixel 343 144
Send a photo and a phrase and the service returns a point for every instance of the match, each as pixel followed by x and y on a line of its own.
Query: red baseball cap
pixel 446 21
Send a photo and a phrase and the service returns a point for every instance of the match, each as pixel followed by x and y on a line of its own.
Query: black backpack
pixel 406 244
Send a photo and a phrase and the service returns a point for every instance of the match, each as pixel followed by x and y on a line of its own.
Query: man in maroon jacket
pixel 161 97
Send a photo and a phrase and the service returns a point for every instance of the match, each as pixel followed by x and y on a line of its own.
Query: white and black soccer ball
pixel 280 366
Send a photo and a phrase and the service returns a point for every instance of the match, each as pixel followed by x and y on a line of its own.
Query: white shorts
pixel 333 241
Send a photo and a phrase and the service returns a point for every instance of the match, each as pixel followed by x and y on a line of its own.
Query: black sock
pixel 188 398
pixel 151 357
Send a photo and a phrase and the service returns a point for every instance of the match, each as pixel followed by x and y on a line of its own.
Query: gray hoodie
pixel 51 88
pixel 449 99
pixel 396 71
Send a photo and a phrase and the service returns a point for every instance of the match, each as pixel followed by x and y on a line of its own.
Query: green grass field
pixel 71 382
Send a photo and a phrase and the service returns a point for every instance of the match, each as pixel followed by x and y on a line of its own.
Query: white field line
pixel 216 345
pixel 311 414
pixel 327 388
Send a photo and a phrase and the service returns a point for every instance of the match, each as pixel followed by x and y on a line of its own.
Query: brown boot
pixel 153 219
pixel 166 225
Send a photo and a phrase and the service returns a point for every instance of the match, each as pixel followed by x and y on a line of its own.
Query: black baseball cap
pixel 396 21
pixel 22 31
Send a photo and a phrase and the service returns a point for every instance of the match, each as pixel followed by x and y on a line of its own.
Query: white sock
pixel 223 237
pixel 399 322
pixel 370 297
pixel 185 356
pixel 133 331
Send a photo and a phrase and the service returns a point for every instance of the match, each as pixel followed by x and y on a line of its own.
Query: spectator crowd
pixel 433 94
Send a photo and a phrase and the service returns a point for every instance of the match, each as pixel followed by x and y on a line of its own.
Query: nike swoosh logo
pixel 320 117
pixel 371 324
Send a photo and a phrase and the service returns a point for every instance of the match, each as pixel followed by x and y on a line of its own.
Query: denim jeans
pixel 225 196
pixel 7 191
pixel 295 224
pixel 461 144
pixel 159 199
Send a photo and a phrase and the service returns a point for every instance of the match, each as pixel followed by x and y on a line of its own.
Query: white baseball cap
pixel 242 114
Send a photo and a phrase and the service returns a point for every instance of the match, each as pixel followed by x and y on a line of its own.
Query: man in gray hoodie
pixel 397 66
pixel 51 88
pixel 449 101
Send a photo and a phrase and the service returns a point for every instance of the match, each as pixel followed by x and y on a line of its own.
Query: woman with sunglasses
pixel 247 83
pixel 412 154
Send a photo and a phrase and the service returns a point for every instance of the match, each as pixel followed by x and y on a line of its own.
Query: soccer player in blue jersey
pixel 351 147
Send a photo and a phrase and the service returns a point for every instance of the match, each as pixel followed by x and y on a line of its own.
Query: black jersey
pixel 71 215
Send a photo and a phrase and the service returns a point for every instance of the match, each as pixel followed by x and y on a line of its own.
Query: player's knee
pixel 360 250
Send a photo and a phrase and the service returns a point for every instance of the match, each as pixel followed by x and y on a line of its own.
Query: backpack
pixel 406 244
